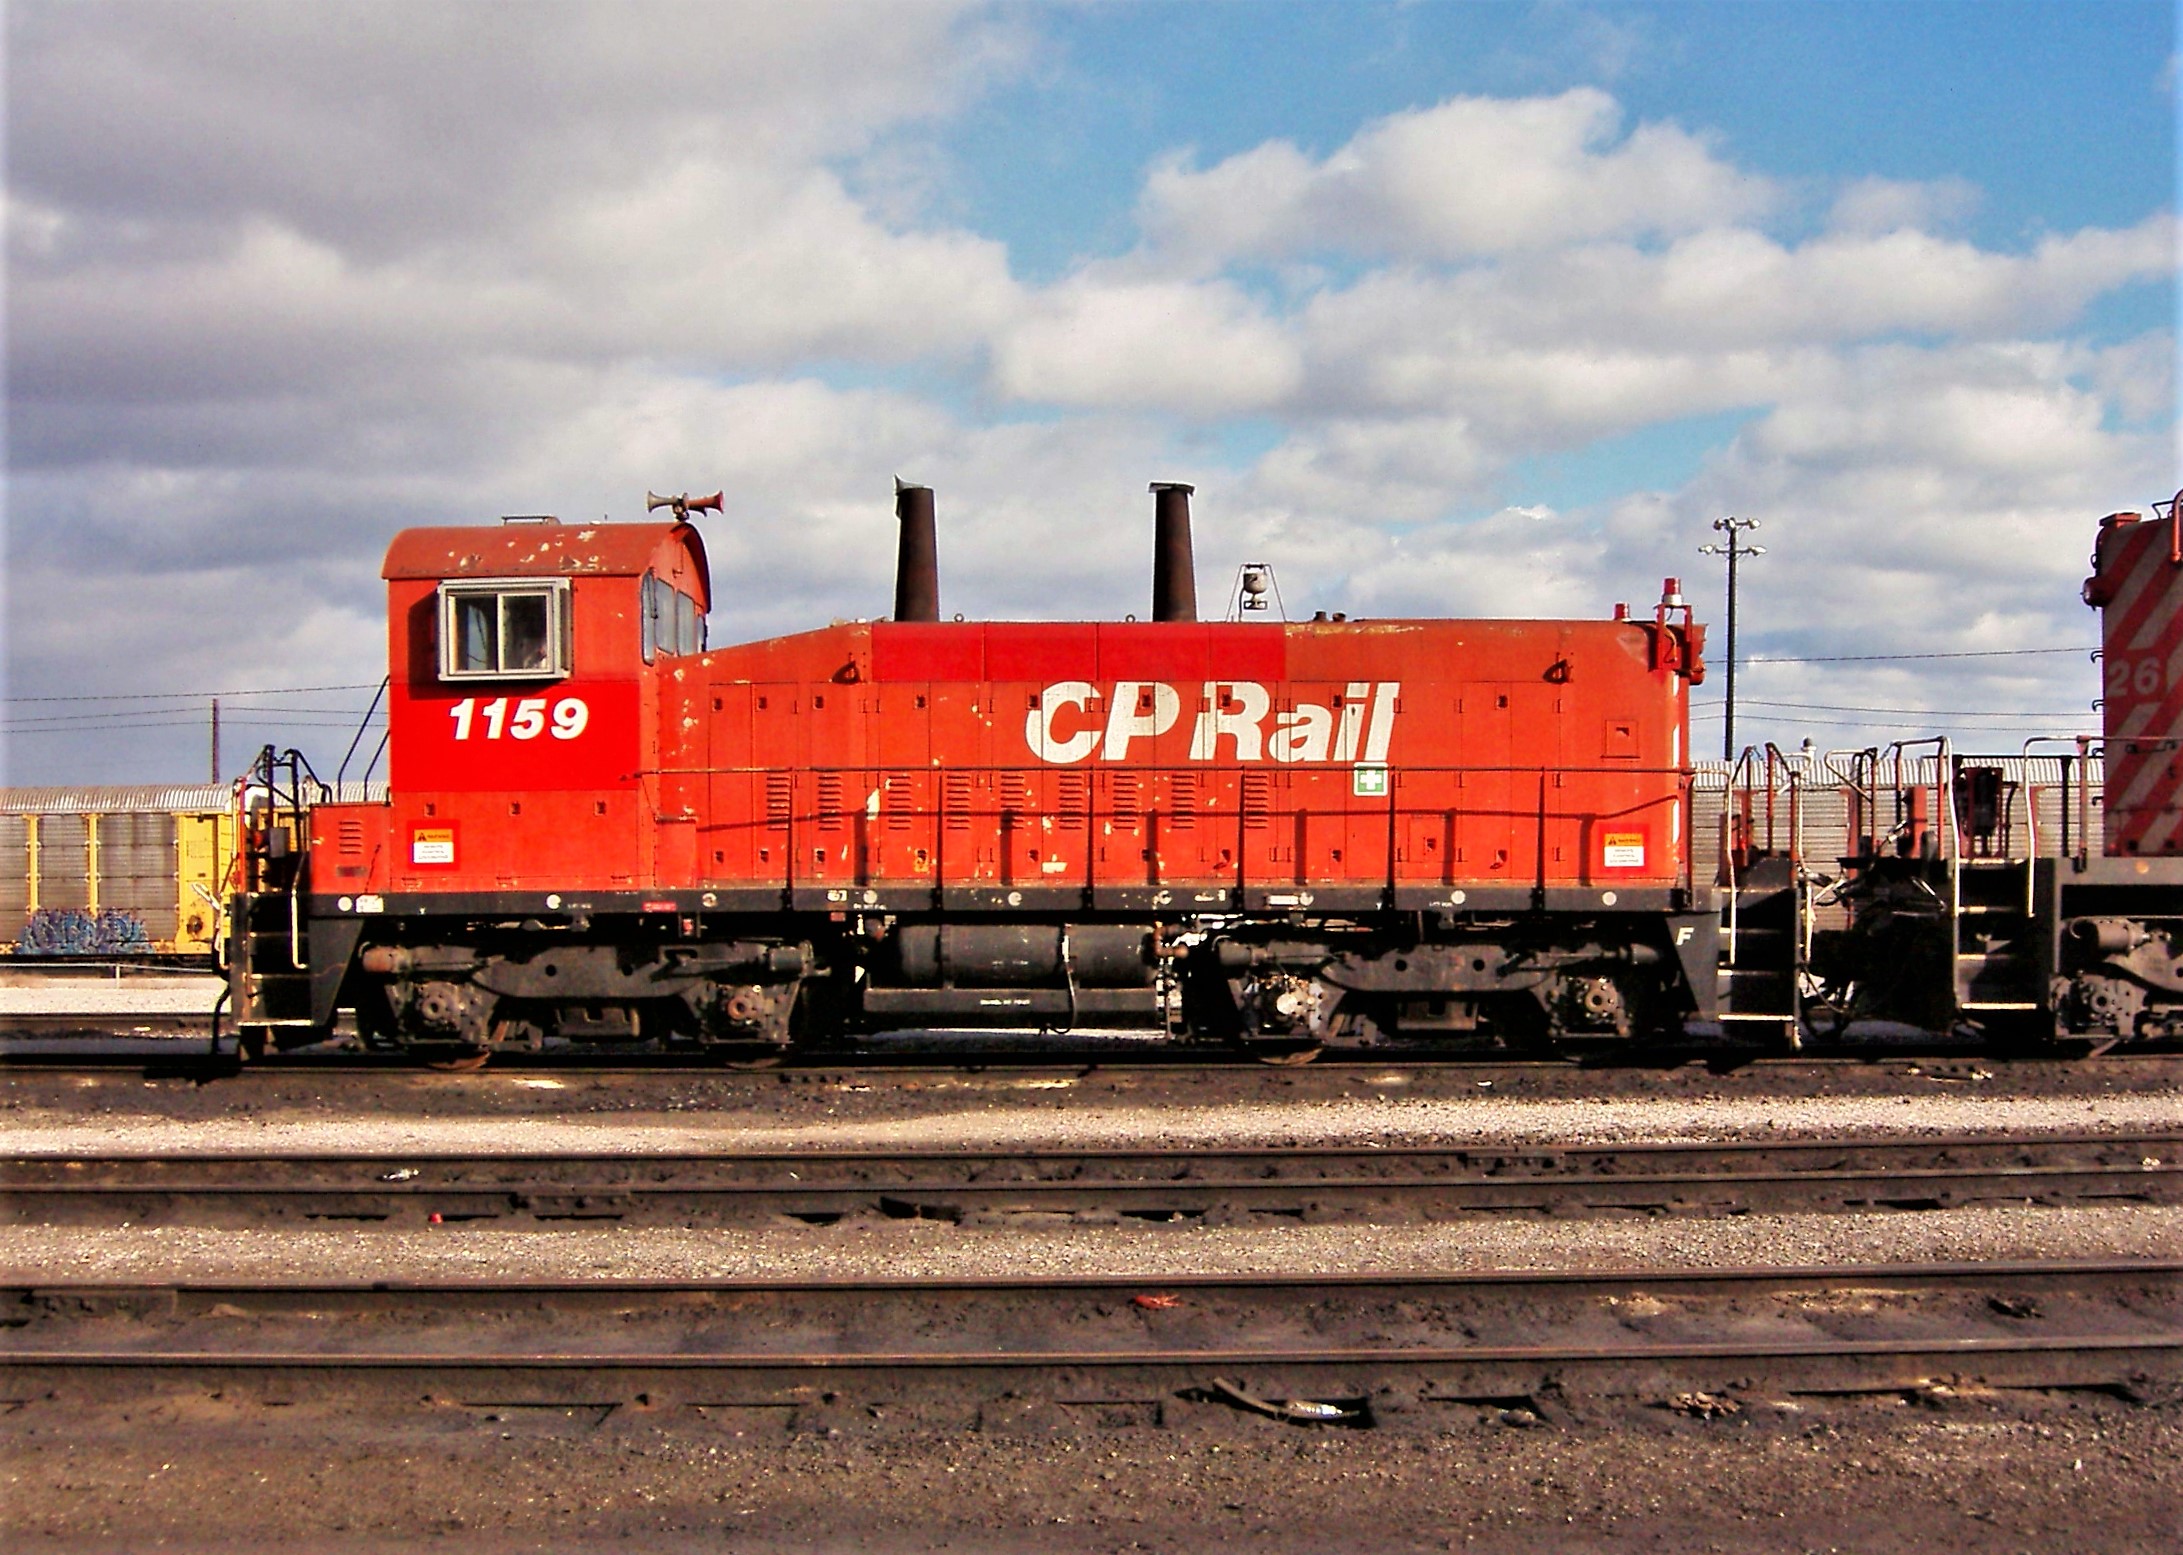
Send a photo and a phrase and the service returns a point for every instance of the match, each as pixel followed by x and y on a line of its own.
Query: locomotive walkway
pixel 1324 1348
pixel 1028 1186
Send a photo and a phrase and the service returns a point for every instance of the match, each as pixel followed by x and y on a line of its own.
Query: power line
pixel 154 722
pixel 180 696
pixel 1888 658
pixel 110 714
pixel 1900 721
pixel 1923 712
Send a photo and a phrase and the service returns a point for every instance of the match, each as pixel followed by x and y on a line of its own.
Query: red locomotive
pixel 1282 835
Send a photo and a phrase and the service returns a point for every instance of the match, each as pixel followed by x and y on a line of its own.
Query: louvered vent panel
pixel 898 800
pixel 1128 802
pixel 1072 800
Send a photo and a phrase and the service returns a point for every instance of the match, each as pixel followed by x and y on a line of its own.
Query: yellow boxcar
pixel 114 870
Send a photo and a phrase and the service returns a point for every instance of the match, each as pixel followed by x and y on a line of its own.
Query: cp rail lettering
pixel 1066 726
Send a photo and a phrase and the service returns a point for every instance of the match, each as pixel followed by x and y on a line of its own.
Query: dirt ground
pixel 2083 1473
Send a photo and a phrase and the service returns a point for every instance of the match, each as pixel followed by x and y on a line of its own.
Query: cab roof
pixel 534 549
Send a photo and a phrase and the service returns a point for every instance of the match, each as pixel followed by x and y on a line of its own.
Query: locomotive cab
pixel 525 675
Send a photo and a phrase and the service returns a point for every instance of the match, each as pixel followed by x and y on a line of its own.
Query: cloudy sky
pixel 1447 309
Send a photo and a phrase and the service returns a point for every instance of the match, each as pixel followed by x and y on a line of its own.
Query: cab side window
pixel 504 630
pixel 670 620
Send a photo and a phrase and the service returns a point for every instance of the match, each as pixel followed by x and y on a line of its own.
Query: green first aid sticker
pixel 1368 782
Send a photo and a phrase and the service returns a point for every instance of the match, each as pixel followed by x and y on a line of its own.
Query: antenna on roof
pixel 685 504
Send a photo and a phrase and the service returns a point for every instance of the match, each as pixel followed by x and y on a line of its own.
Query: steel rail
pixel 1324 1179
pixel 1862 1276
pixel 98 1044
pixel 2145 1344
pixel 1480 1151
pixel 2123 1316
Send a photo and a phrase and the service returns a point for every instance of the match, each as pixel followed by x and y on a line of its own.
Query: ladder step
pixel 1996 1004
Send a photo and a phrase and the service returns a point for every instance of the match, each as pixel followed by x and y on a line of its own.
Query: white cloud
pixel 1875 205
pixel 1377 471
pixel 1468 177
pixel 1202 347
pixel 2137 377
pixel 1596 339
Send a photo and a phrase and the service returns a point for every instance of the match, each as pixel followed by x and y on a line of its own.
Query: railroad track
pixel 1395 1182
pixel 90 1040
pixel 1324 1347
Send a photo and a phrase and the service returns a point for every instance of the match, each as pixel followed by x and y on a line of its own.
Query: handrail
pixel 1738 781
pixel 1776 757
pixel 283 801
pixel 2079 787
pixel 357 738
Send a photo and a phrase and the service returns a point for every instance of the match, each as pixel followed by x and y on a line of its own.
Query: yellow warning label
pixel 1623 850
pixel 432 845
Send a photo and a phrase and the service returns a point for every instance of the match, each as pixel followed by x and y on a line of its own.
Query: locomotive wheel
pixel 458 1060
pixel 752 1057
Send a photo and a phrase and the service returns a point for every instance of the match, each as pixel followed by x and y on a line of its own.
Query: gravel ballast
pixel 929 1249
pixel 1039 1119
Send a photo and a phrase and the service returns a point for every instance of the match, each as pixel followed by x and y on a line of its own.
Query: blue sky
pixel 1446 308
pixel 2052 109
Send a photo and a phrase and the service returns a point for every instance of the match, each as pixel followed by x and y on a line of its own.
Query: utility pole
pixel 1732 527
pixel 216 738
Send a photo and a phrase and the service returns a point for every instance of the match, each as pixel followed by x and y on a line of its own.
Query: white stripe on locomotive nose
pixel 2158 717
pixel 2117 612
pixel 2162 620
pixel 2162 616
pixel 2122 614
pixel 2145 771
pixel 2140 771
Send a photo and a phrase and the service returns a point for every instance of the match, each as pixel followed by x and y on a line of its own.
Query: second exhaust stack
pixel 917 555
pixel 1174 567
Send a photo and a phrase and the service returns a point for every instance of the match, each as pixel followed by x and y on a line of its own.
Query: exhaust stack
pixel 1174 567
pixel 917 556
